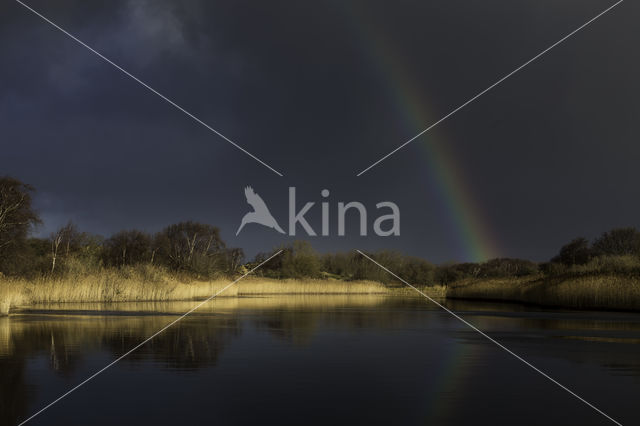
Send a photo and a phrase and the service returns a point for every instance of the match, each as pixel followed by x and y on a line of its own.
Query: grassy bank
pixel 592 291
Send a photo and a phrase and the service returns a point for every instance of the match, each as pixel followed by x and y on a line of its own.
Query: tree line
pixel 189 247
pixel 615 251
pixel 299 260
pixel 197 249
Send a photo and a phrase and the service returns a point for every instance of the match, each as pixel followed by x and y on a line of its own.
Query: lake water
pixel 300 360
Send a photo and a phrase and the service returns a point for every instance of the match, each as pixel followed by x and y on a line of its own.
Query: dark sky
pixel 320 90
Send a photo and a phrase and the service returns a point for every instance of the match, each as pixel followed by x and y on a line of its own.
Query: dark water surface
pixel 300 360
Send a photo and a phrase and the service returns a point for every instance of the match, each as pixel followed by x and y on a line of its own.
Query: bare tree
pixel 70 237
pixel 8 207
pixel 16 213
pixel 191 246
pixel 56 240
pixel 17 218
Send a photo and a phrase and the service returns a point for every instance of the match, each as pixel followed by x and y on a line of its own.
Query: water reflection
pixel 68 335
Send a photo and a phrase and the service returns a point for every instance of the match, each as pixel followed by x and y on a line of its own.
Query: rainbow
pixel 474 238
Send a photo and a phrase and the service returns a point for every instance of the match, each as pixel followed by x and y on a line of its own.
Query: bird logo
pixel 260 213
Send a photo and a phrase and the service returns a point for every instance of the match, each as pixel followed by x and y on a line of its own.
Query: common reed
pixel 11 294
pixel 252 286
pixel 602 291
pixel 108 285
pixel 147 283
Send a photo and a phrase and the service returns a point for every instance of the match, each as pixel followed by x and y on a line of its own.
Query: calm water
pixel 318 360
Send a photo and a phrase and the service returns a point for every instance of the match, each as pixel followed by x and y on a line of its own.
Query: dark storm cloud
pixel 547 156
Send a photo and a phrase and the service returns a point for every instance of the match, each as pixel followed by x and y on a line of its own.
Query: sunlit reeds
pixel 308 286
pixel 11 294
pixel 109 285
pixel 146 283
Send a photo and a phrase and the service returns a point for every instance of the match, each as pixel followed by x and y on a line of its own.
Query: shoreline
pixel 595 292
pixel 118 288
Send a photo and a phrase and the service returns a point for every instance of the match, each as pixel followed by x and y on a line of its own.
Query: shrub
pixel 618 242
pixel 577 252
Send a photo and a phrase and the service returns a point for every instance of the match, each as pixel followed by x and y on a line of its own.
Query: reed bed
pixel 603 291
pixel 104 289
pixel 488 289
pixel 11 294
pixel 611 291
pixel 148 284
pixel 226 305
pixel 130 285
pixel 257 286
pixel 433 291
pixel 589 292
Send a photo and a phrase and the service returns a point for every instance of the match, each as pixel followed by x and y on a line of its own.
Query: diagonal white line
pixel 500 345
pixel 146 86
pixel 490 87
pixel 181 317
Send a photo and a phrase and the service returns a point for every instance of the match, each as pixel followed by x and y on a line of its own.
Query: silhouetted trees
pixel 614 252
pixel 300 260
pixel 618 242
pixel 297 260
pixel 576 252
pixel 127 248
pixel 17 217
pixel 411 269
pixel 506 267
pixel 191 246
